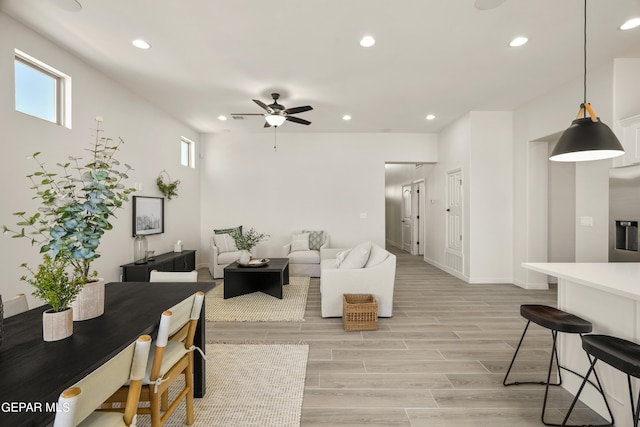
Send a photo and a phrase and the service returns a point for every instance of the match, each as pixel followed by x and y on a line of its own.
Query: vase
pixel 57 325
pixel 140 250
pixel 90 301
pixel 245 257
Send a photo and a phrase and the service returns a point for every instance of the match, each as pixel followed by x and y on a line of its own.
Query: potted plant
pixel 57 288
pixel 76 206
pixel 246 241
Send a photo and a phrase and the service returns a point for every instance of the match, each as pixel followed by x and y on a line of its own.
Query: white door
pixel 453 251
pixel 418 217
pixel 406 218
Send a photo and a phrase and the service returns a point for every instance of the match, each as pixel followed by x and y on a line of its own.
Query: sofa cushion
pixel 376 256
pixel 225 243
pixel 304 257
pixel 300 242
pixel 316 239
pixel 228 230
pixel 357 257
pixel 228 257
pixel 340 257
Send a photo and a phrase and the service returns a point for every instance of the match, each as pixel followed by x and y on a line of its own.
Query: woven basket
pixel 359 312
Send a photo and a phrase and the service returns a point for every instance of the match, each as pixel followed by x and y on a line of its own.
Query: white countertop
pixel 619 278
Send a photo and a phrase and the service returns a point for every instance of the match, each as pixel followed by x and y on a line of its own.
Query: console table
pixel 171 261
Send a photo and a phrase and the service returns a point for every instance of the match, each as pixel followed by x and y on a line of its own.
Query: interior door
pixel 418 218
pixel 454 257
pixel 406 218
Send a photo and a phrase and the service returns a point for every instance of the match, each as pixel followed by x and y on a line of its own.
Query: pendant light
pixel 587 138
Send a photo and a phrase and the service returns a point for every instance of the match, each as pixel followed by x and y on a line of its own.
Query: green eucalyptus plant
pixel 247 240
pixel 53 283
pixel 168 188
pixel 76 205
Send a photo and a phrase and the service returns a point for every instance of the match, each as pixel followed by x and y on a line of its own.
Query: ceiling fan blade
pixel 296 110
pixel 298 120
pixel 262 105
pixel 266 124
pixel 247 114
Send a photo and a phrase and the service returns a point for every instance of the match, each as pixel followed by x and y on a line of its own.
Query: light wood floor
pixel 439 361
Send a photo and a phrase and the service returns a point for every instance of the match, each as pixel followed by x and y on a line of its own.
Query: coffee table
pixel 269 279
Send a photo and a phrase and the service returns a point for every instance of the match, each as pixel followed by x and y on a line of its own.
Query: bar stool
pixel 556 321
pixel 620 354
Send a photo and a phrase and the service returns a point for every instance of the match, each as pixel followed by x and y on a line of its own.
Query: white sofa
pixel 377 279
pixel 305 262
pixel 219 260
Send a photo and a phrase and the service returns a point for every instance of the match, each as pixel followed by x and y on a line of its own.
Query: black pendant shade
pixel 586 140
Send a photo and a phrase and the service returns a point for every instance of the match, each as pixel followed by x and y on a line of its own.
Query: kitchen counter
pixel 608 295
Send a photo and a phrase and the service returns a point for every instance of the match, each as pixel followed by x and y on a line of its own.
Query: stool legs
pixel 601 390
pixel 547 383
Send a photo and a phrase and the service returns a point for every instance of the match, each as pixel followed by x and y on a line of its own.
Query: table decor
pixel 246 241
pixel 76 205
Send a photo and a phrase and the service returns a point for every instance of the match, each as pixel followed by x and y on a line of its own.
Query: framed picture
pixel 148 215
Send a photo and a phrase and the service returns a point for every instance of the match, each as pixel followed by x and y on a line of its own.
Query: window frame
pixel 62 91
pixel 191 149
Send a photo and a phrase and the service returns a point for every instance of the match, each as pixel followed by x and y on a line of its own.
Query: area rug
pixel 259 307
pixel 248 385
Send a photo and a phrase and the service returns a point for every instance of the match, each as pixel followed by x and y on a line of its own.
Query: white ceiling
pixel 211 57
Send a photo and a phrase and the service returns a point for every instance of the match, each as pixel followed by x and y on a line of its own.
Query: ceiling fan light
pixel 275 119
pixel 586 140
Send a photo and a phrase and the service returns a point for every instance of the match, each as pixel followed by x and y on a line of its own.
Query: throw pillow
pixel 228 230
pixel 300 242
pixel 358 256
pixel 225 243
pixel 340 256
pixel 376 256
pixel 316 239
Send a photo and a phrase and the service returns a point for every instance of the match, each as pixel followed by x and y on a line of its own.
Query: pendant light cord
pixel 585 56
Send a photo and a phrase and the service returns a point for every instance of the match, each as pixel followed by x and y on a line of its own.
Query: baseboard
pixel 446 269
pixel 532 286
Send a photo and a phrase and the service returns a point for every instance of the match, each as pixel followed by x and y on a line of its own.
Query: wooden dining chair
pixel 172 356
pixel 78 403
pixel 173 276
pixel 15 305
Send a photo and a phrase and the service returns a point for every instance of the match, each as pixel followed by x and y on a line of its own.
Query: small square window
pixel 187 152
pixel 41 91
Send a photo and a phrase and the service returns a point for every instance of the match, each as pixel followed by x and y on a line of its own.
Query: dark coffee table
pixel 270 278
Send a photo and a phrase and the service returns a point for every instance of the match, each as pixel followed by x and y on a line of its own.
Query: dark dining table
pixel 33 372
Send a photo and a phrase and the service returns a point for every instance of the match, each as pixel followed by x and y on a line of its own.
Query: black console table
pixel 171 261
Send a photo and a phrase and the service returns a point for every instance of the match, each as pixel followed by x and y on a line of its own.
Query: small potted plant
pixel 59 289
pixel 246 241
pixel 76 206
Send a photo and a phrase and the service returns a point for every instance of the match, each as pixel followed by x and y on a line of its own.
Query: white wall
pixel 312 181
pixel 490 197
pixel 152 143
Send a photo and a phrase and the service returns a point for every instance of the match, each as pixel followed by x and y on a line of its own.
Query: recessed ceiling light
pixel 518 41
pixel 346 117
pixel 430 117
pixel 141 44
pixel 221 117
pixel 367 41
pixel 630 24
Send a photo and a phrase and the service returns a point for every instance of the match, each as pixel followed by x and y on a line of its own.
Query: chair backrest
pixel 78 402
pixel 177 324
pixel 173 276
pixel 15 305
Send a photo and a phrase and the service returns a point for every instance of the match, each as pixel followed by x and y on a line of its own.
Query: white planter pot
pixel 245 257
pixel 57 326
pixel 90 301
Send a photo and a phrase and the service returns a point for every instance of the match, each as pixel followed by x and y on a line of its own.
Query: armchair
pixel 222 252
pixel 304 252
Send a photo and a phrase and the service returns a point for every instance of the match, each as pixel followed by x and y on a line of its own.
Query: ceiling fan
pixel 276 114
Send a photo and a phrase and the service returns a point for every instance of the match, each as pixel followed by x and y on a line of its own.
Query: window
pixel 41 91
pixel 187 152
